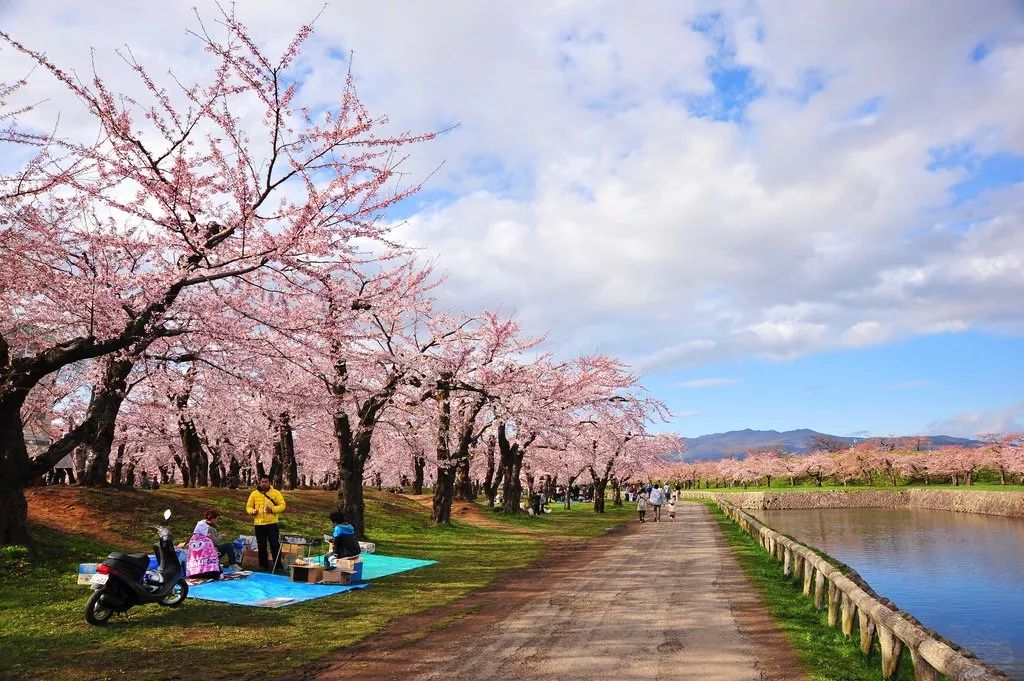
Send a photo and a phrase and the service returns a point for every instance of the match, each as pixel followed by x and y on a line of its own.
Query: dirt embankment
pixel 1009 504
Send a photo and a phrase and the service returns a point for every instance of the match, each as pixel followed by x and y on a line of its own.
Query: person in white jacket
pixel 657 496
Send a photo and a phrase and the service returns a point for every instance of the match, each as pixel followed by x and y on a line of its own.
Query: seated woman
pixel 343 538
pixel 208 528
pixel 203 561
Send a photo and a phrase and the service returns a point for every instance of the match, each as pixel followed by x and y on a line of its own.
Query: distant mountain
pixel 736 442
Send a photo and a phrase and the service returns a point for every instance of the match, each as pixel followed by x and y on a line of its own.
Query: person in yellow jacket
pixel 264 505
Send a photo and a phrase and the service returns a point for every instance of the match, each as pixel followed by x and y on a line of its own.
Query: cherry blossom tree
pixel 103 242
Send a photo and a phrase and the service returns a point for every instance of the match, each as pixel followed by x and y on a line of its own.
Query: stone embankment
pixel 854 607
pixel 963 501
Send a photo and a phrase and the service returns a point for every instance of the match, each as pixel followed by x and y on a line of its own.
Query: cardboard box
pixel 311 574
pixel 348 564
pixel 337 576
pixel 288 559
pixel 250 560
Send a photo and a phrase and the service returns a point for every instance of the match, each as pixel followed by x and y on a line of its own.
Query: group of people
pixel 264 506
pixel 656 497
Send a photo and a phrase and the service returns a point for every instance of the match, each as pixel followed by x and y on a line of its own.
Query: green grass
pixel 823 651
pixel 585 525
pixel 44 634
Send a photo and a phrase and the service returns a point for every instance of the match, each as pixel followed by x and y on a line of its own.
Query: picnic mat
pixel 274 591
pixel 225 576
pixel 376 565
pixel 267 591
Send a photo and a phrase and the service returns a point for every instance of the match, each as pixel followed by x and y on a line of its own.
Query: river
pixel 961 574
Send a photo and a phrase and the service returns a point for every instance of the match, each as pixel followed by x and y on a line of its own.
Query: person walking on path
pixel 656 499
pixel 641 505
pixel 672 510
pixel 264 505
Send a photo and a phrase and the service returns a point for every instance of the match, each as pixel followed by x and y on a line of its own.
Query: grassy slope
pixel 44 634
pixel 823 651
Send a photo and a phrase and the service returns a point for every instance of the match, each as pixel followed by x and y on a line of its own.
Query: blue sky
pixel 820 202
pixel 890 389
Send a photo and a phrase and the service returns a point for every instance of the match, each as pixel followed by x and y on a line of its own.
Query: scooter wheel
pixel 96 612
pixel 177 596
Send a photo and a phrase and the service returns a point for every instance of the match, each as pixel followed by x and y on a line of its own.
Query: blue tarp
pixel 267 591
pixel 273 591
pixel 376 566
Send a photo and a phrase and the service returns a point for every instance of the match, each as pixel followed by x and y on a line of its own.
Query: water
pixel 960 574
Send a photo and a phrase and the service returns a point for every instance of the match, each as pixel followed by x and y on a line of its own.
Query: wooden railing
pixel 848 602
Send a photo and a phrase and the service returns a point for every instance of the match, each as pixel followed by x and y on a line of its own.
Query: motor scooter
pixel 124 580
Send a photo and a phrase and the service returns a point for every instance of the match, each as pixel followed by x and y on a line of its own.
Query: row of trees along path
pixel 200 278
pixel 881 460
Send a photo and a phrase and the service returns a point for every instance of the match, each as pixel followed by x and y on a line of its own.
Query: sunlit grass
pixel 43 628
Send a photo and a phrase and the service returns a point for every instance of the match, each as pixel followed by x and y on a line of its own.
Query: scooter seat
pixel 139 560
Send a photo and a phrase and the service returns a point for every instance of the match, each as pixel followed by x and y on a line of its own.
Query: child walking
pixel 672 511
pixel 641 505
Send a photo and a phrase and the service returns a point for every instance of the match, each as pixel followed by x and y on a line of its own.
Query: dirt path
pixel 666 601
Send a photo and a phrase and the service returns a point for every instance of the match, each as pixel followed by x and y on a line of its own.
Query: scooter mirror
pixel 167 514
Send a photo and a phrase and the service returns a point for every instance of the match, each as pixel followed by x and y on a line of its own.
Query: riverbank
pixel 1009 504
pixel 860 613
pixel 822 650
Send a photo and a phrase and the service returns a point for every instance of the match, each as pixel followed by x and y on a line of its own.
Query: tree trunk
pixel 444 488
pixel 350 484
pixel 354 445
pixel 198 464
pixel 216 465
pixel 101 418
pixel 493 477
pixel 463 484
pixel 276 469
pixel 511 465
pixel 285 450
pixel 444 494
pixel 419 464
pixel 115 476
pixel 616 491
pixel 599 489
pixel 14 472
pixel 130 474
pixel 601 483
pixel 186 473
pixel 568 490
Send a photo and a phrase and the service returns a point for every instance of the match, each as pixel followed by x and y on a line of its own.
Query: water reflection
pixel 961 574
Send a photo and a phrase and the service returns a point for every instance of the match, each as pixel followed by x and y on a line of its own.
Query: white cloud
pixel 864 333
pixel 974 423
pixel 708 382
pixel 582 193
